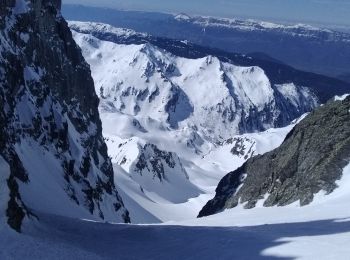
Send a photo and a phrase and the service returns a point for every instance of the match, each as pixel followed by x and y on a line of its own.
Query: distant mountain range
pixel 304 47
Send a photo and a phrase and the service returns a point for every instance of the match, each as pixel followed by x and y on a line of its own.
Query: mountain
pixel 324 87
pixel 54 165
pixel 53 158
pixel 310 160
pixel 176 124
pixel 304 47
pixel 214 98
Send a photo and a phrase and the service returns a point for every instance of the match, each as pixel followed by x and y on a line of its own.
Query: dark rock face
pixel 47 100
pixel 240 149
pixel 311 159
pixel 153 160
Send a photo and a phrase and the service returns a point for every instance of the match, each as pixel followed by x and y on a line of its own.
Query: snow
pixel 136 82
pixel 46 178
pixel 30 74
pixel 302 30
pixel 206 94
pixel 101 27
pixel 156 201
pixel 21 7
pixel 50 177
pixel 24 37
pixel 318 231
pixel 340 98
pixel 289 91
pixel 324 207
pixel 183 16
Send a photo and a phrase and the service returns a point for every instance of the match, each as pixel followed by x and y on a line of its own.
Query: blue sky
pixel 316 11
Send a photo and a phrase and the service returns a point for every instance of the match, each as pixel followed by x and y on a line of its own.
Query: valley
pixel 124 144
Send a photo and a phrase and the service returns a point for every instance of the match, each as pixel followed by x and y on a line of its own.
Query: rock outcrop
pixel 311 159
pixel 51 135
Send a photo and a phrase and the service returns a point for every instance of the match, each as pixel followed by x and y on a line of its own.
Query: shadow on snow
pixel 177 242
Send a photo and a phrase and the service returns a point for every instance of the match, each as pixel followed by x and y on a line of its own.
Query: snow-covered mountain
pixel 305 47
pixel 52 155
pixel 298 30
pixel 324 87
pixel 174 124
pixel 214 99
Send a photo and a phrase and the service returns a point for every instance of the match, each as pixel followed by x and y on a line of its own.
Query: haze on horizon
pixel 326 12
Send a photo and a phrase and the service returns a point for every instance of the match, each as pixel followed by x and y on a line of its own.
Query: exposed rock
pixel 239 147
pixel 153 160
pixel 311 159
pixel 48 112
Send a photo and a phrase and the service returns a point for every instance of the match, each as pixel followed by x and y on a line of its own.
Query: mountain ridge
pixel 324 87
pixel 141 79
pixel 295 45
pixel 310 160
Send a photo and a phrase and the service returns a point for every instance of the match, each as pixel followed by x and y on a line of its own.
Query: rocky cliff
pixel 53 157
pixel 310 160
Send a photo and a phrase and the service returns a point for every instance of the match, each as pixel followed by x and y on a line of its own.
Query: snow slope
pixel 324 207
pixel 59 238
pixel 319 231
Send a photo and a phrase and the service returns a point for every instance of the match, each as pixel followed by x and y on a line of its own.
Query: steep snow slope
pixel 318 231
pixel 52 154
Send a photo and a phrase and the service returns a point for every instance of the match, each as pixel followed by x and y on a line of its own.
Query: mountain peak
pixel 182 17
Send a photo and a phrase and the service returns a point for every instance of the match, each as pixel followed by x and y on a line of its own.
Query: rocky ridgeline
pixel 48 114
pixel 311 159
